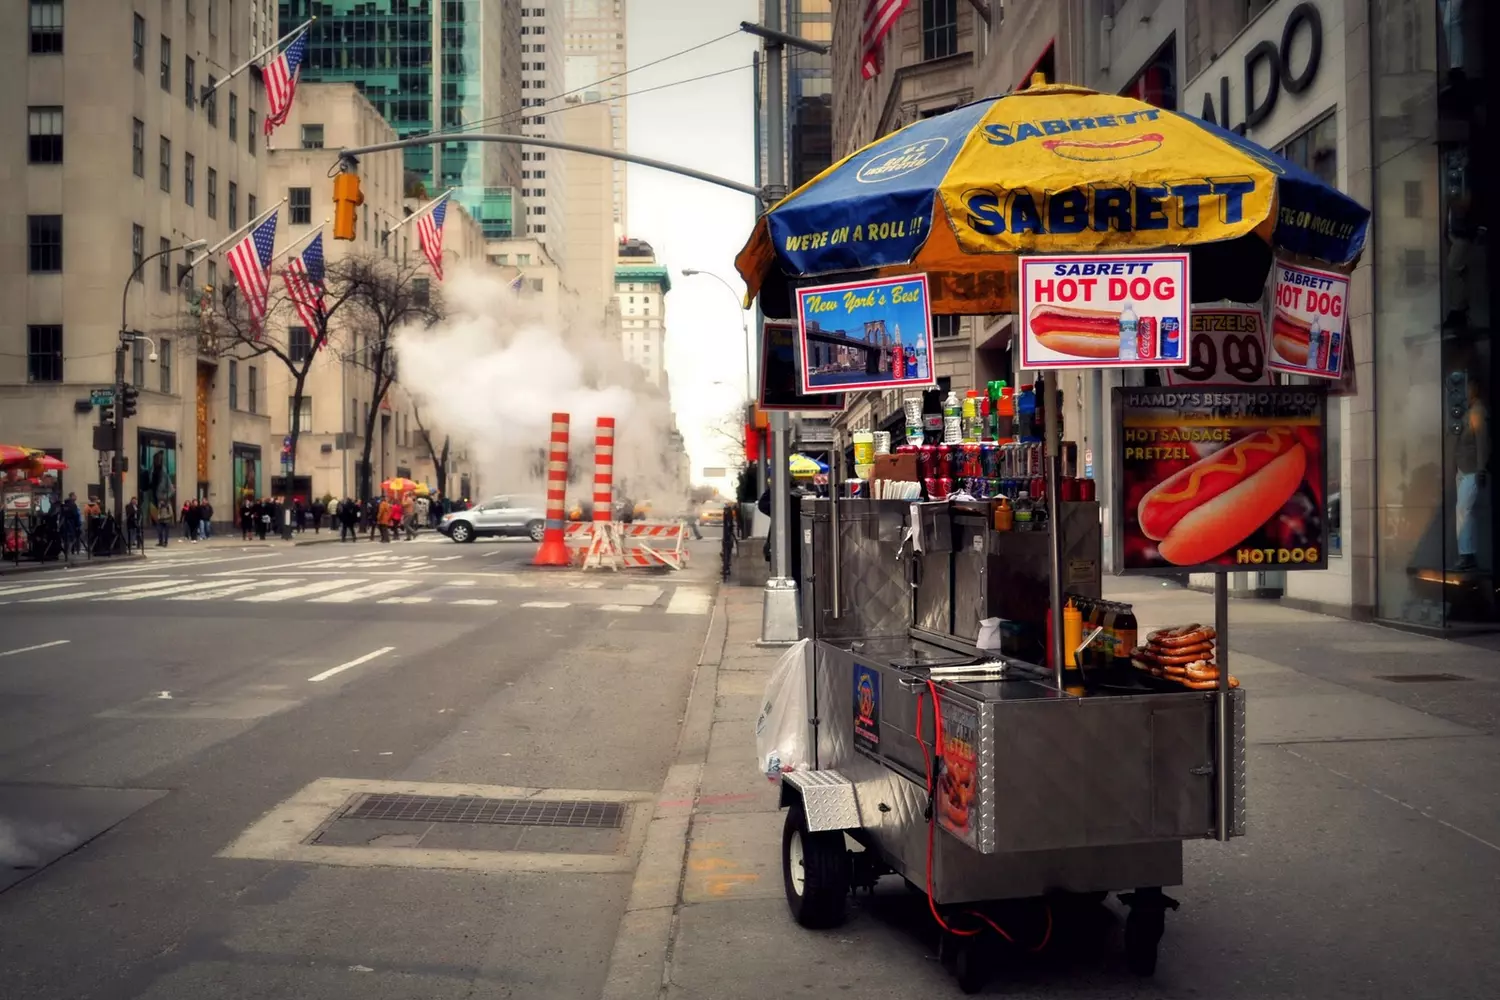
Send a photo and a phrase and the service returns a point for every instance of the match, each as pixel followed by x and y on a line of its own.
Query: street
pixel 154 711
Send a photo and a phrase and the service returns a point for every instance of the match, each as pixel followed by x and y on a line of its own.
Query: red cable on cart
pixel 928 760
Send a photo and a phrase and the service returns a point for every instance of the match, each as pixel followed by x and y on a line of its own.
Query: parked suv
pixel 522 516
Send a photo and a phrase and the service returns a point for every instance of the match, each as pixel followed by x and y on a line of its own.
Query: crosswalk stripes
pixel 306 590
pixel 35 588
pixel 78 595
pixel 228 591
pixel 378 589
pixel 182 588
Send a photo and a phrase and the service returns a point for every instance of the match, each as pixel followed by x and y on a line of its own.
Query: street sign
pixel 102 397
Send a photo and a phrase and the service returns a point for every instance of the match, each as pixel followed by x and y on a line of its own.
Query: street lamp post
pixel 127 338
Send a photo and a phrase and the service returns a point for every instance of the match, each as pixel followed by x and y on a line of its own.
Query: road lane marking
pixel 307 590
pixel 369 590
pixel 315 678
pixel 405 600
pixel 181 587
pixel 79 595
pixel 547 604
pixel 36 587
pixel 459 583
pixel 689 601
pixel 478 602
pixel 223 591
pixel 29 649
pixel 625 608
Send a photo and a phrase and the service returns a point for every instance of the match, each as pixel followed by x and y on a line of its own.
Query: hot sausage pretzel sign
pixel 1104 311
pixel 1221 479
pixel 1307 321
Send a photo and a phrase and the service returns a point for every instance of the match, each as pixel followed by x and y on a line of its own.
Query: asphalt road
pixel 165 724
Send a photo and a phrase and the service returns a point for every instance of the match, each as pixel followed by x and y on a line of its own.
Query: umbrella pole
pixel 1052 433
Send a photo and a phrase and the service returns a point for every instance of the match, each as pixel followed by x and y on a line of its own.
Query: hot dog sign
pixel 1104 311
pixel 1308 316
pixel 1221 479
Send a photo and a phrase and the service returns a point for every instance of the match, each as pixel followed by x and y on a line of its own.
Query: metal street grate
pixel 1420 678
pixel 573 814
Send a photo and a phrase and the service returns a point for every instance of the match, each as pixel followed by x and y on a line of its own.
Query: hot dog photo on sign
pixel 1104 311
pixel 1222 480
pixel 1308 316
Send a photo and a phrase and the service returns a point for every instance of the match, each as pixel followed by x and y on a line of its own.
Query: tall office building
pixel 453 65
pixel 641 287
pixel 589 259
pixel 807 81
pixel 542 76
pixel 596 52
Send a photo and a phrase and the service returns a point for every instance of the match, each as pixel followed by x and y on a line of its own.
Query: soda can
pixel 854 488
pixel 1145 337
pixel 1171 339
pixel 944 462
pixel 945 487
pixel 989 459
pixel 927 460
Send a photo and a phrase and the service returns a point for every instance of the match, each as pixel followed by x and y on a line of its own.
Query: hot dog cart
pixel 979 775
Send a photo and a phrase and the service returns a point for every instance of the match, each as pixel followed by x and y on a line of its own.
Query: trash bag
pixel 781 729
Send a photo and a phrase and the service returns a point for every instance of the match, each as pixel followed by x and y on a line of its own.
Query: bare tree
pixel 439 456
pixel 380 296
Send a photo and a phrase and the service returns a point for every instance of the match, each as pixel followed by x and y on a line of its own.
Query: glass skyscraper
pixel 385 48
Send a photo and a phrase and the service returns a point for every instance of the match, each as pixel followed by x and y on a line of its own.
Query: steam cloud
pixel 494 370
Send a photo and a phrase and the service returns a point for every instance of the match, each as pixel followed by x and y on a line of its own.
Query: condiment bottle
pixel 1125 631
pixel 1072 633
pixel 1004 514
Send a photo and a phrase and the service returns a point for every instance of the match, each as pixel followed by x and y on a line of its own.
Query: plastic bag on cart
pixel 781 729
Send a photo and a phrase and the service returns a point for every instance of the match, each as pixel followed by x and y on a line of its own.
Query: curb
pixel 643 943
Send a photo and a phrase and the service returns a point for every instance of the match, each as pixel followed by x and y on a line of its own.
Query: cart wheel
pixel 1143 930
pixel 971 965
pixel 815 872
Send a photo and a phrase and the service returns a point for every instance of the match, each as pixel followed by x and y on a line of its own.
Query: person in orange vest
pixel 383 519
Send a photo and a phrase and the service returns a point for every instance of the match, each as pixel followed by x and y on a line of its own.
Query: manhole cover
pixel 571 814
pixel 1420 678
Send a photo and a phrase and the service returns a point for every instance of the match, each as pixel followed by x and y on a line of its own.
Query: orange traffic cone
pixel 554 551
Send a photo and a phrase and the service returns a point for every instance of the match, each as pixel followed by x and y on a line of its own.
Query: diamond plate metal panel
pixel 873 579
pixel 827 799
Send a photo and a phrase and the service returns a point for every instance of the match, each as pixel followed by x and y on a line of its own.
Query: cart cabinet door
pixel 1182 762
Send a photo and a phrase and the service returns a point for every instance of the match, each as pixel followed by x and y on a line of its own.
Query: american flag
pixel 430 235
pixel 880 16
pixel 303 275
pixel 281 81
pixel 515 286
pixel 250 260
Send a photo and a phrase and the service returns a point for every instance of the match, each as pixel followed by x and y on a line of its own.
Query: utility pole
pixel 778 623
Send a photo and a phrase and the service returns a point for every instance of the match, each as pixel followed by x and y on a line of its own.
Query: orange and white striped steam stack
pixel 554 551
pixel 604 547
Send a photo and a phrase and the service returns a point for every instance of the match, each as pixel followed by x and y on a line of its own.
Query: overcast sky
pixel 707 125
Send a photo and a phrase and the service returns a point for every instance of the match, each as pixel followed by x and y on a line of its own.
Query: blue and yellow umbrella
pixel 1050 169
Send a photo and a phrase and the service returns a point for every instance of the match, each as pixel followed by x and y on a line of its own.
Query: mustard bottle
pixel 1072 633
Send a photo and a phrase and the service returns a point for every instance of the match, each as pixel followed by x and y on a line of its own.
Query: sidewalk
pixel 218 541
pixel 1369 866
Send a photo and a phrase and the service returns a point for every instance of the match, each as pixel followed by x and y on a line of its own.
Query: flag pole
pixel 260 55
pixel 299 241
pixel 232 236
pixel 418 213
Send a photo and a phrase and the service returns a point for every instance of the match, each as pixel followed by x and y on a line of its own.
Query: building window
pixel 164 264
pixel 536 284
pixel 213 276
pixel 213 193
pixel 299 206
pixel 252 390
pixel 312 137
pixel 138 147
pixel 939 28
pixel 46 27
pixel 189 169
pixel 165 180
pixel 250 130
pixel 1316 150
pixel 234 206
pixel 44 353
pixel 354 416
pixel 234 384
pixel 299 344
pixel 1414 267
pixel 189 80
pixel 166 64
pixel 421 291
pixel 1412 195
pixel 45 131
pixel 211 101
pixel 138 363
pixel 164 362
pixel 234 117
pixel 944 326
pixel 44 237
pixel 137 252
pixel 138 43
pixel 301 420
pixel 251 206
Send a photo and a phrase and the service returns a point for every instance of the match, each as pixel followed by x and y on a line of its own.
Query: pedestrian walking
pixel 191 515
pixel 262 518
pixel 383 519
pixel 319 508
pixel 70 524
pixel 133 524
pixel 409 516
pixel 348 515
pixel 370 512
pixel 161 516
pixel 247 518
pixel 206 520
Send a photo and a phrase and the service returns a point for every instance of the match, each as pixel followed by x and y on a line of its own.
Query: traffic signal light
pixel 129 395
pixel 346 198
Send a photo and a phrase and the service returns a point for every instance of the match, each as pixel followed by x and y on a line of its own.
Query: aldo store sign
pixel 1278 59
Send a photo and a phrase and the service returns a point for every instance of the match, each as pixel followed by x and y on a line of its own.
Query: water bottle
pixel 952 426
pixel 1129 331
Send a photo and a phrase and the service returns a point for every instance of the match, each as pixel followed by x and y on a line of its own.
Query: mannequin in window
pixel 1471 454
